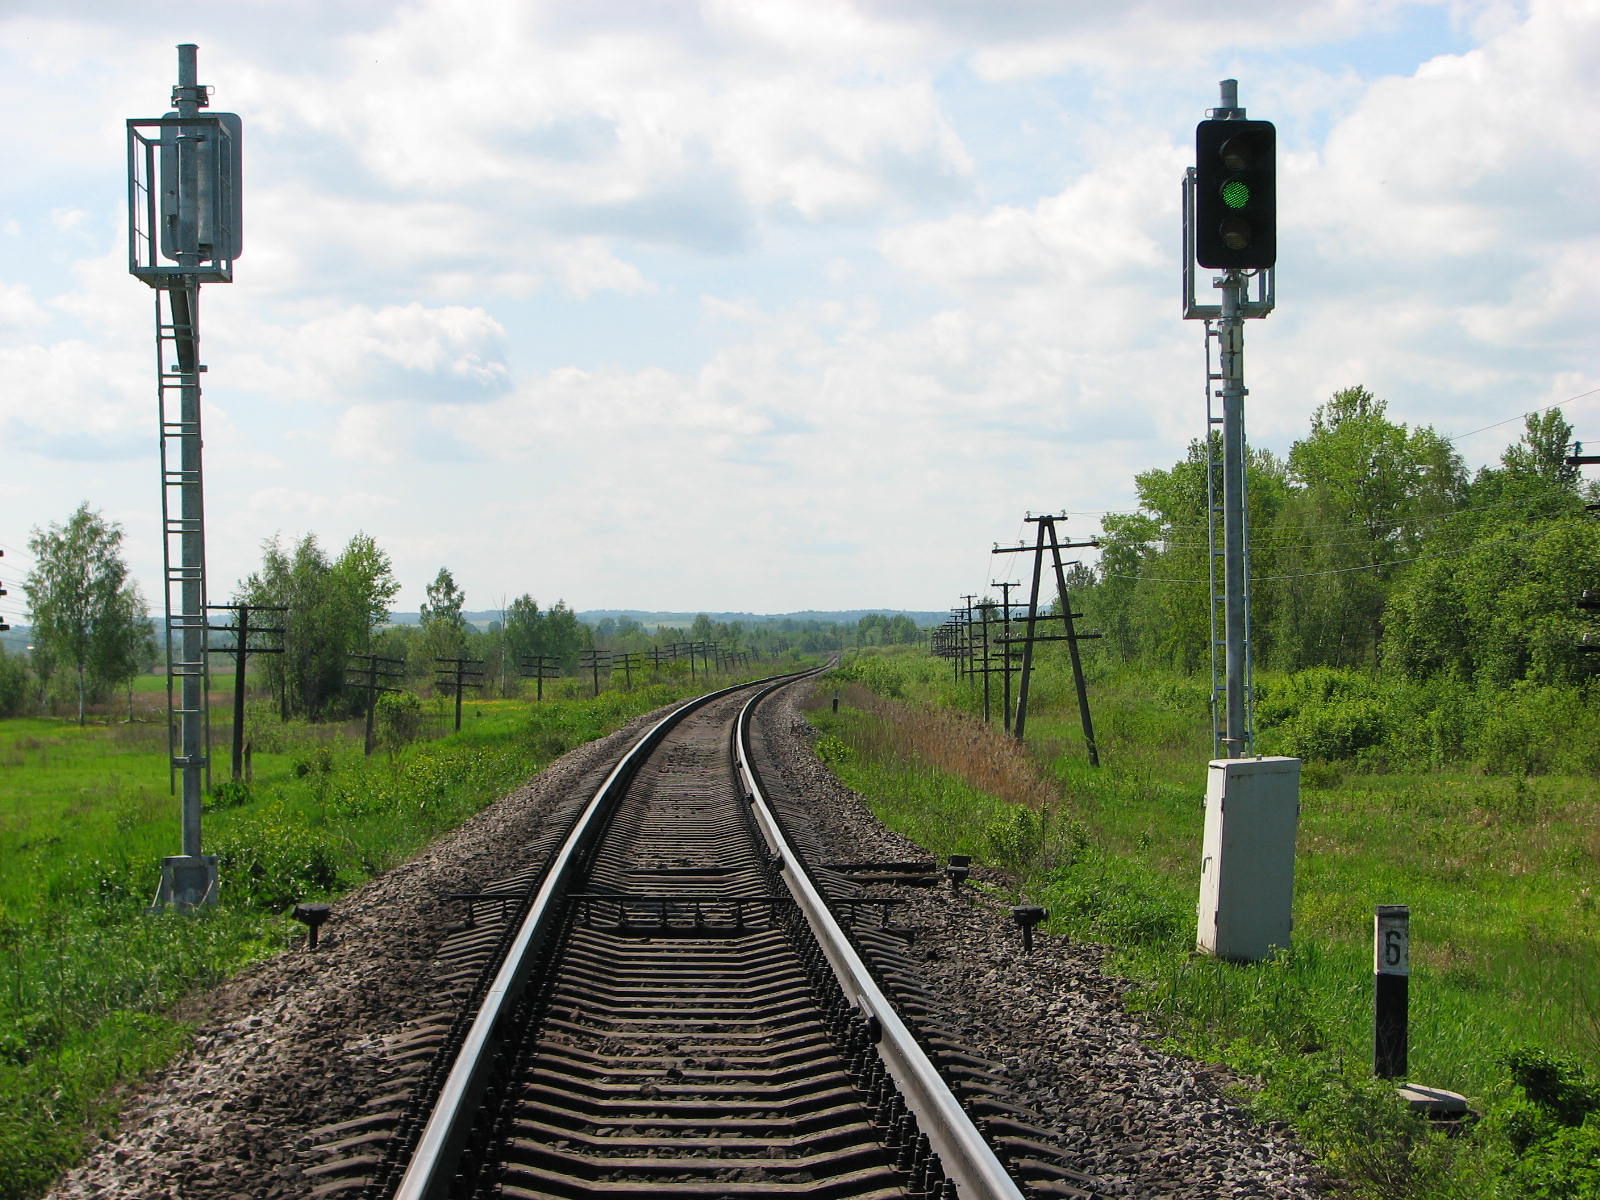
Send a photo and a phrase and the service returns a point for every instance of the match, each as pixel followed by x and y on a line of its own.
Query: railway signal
pixel 1236 194
pixel 185 228
pixel 1252 803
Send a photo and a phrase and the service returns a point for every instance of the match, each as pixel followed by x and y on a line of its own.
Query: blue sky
pixel 768 306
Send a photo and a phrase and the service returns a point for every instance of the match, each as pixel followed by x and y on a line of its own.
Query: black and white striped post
pixel 1391 965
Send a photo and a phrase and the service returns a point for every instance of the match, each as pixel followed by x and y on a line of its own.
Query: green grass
pixel 1501 874
pixel 90 978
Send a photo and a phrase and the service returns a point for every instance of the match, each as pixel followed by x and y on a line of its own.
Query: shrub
pixel 271 865
pixel 833 750
pixel 397 720
pixel 229 794
pixel 317 762
pixel 1558 1086
pixel 1563 1166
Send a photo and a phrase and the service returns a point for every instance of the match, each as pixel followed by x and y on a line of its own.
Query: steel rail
pixel 429 1173
pixel 966 1157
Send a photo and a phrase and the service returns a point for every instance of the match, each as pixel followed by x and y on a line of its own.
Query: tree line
pixel 1373 548
pixel 92 629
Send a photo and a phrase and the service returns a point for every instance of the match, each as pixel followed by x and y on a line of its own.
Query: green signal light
pixel 1236 193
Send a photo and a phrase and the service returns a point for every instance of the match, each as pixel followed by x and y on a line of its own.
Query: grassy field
pixel 1500 873
pixel 90 979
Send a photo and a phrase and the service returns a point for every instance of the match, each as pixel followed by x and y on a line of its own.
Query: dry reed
pixel 946 740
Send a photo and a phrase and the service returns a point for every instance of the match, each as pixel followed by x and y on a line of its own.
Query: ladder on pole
pixel 182 521
pixel 1215 554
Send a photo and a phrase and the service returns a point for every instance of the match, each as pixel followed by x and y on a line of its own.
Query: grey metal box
pixel 1247 864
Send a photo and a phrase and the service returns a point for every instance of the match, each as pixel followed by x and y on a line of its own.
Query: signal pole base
pixel 187 882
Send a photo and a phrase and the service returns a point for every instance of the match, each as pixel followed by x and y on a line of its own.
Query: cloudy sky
pixel 768 304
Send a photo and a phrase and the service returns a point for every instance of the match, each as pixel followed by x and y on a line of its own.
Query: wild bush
pixel 397 720
pixel 270 863
pixel 1555 1129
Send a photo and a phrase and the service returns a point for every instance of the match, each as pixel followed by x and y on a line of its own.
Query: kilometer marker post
pixel 1391 1000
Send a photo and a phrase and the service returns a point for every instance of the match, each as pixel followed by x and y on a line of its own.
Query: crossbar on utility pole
pixel 458 674
pixel 240 650
pixel 374 674
pixel 538 667
pixel 1045 539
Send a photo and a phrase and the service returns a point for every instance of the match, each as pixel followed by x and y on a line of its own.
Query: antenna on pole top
pixel 1230 100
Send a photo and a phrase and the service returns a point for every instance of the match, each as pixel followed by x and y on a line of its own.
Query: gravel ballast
pixel 298 1042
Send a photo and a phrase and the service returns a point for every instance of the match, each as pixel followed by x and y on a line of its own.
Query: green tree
pixel 84 610
pixel 333 609
pixel 131 651
pixel 444 629
pixel 1367 492
pixel 565 636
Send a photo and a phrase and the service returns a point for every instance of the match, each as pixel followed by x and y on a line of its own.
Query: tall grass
pixel 1500 872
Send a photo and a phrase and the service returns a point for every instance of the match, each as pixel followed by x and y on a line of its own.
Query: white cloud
pixel 1147 34
pixel 1475 154
pixel 401 353
pixel 1094 231
pixel 20 313
pixel 775 287
pixel 73 400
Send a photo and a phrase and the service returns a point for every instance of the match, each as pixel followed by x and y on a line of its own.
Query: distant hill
pixel 682 620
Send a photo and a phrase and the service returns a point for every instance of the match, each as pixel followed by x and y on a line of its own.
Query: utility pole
pixel 240 650
pixel 1005 650
pixel 374 674
pixel 984 609
pixel 459 673
pixel 538 667
pixel 594 660
pixel 970 642
pixel 1047 539
pixel 1071 632
pixel 185 220
pixel 627 661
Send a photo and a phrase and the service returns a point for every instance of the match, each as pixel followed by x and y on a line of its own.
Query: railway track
pixel 666 1003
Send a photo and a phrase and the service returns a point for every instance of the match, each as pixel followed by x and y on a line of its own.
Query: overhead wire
pixel 1523 416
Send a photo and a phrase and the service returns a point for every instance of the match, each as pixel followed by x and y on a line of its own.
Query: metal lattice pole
pixel 1237 736
pixel 183 209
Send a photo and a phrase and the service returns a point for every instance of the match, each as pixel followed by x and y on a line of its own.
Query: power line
pixel 1523 416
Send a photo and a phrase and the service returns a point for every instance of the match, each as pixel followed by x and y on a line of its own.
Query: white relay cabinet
pixel 1247 868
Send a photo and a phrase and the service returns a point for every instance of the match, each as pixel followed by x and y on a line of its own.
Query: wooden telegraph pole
pixel 538 667
pixel 374 674
pixel 241 650
pixel 1047 540
pixel 458 674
